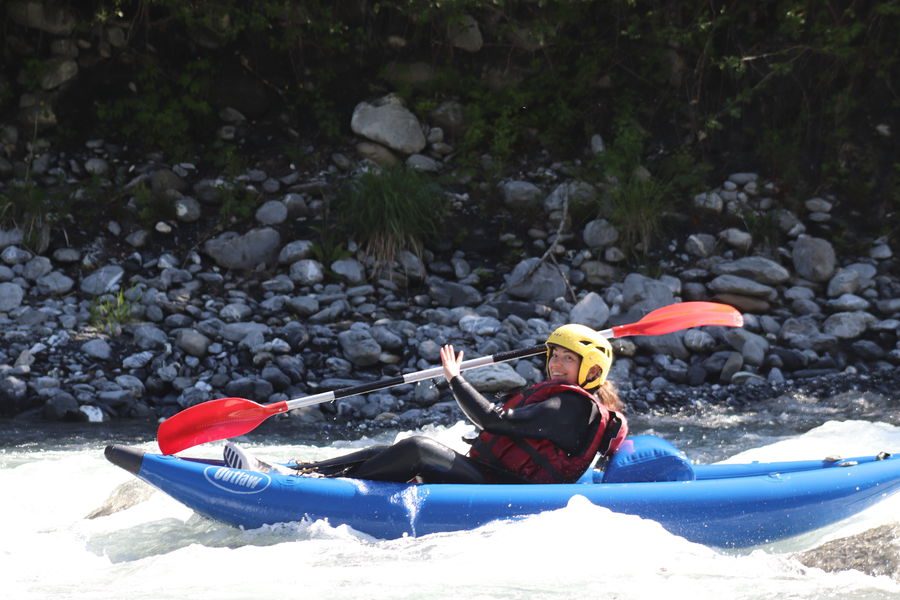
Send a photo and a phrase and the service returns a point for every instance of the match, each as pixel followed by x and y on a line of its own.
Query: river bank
pixel 138 322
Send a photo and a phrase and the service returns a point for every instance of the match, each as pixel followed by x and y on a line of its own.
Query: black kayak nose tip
pixel 126 457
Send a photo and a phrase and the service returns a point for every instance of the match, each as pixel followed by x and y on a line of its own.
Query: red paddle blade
pixel 685 315
pixel 214 420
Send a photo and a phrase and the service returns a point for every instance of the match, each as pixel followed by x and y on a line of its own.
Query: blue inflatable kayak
pixel 726 505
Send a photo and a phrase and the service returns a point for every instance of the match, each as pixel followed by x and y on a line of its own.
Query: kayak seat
pixel 643 458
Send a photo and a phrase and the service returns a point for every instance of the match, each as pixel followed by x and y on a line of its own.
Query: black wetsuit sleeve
pixel 564 419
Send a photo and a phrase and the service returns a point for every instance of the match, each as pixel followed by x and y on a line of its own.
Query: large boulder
pixel 388 122
pixel 232 250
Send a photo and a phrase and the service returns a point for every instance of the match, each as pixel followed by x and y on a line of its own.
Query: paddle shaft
pixel 381 384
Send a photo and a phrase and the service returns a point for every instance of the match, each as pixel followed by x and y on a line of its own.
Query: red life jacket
pixel 542 461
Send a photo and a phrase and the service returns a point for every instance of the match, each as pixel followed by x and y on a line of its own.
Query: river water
pixel 75 526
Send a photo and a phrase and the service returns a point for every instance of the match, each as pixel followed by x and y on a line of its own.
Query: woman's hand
pixel 450 361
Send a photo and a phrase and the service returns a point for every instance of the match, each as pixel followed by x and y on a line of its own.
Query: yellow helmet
pixel 593 348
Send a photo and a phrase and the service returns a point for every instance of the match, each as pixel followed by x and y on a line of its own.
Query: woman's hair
pixel 609 396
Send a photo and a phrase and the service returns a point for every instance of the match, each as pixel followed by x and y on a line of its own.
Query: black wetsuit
pixel 565 419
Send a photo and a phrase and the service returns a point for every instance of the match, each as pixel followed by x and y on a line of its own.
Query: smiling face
pixel 563 365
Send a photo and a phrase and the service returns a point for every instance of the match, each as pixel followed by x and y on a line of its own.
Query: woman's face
pixel 563 365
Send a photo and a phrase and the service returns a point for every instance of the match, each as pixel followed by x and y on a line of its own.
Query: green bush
pixel 638 208
pixel 109 312
pixel 34 210
pixel 390 210
pixel 166 111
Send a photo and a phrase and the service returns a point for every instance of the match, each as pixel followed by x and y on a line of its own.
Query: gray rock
pixel 848 325
pixel 150 337
pixel 386 121
pixel 248 251
pixel 732 284
pixel 733 364
pixel 193 342
pixel 97 348
pixel 599 273
pixel 349 270
pixel 452 294
pixel 187 209
pixel 874 552
pixel 736 238
pixel 13 255
pixel 709 201
pixel 138 360
pixel 536 281
pixel 378 154
pixel 845 281
pixel 11 296
pixel 803 333
pixel 37 267
pixel 752 347
pixel 495 378
pixel 235 311
pixel 757 268
pixel 103 280
pixel 425 164
pixel 697 340
pixel 360 347
pixel 520 194
pixel 477 325
pixel 700 245
pixel 600 233
pixel 55 284
pixel 849 303
pixel 95 166
pixel 249 387
pixel 307 272
pixel 642 294
pixel 411 265
pixel 294 251
pixel 273 212
pixel 743 178
pixel 237 332
pixel 814 258
pixel 62 407
pixel 303 306
pixel 671 344
pixel 572 192
pixel 591 311
pixel 881 252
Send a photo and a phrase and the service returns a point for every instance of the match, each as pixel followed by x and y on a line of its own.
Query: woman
pixel 549 433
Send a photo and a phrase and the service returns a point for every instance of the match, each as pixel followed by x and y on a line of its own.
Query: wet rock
pixel 875 552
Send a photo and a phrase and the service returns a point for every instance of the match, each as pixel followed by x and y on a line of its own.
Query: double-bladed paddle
pixel 229 417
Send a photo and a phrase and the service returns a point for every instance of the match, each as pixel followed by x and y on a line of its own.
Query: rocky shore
pixel 141 322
